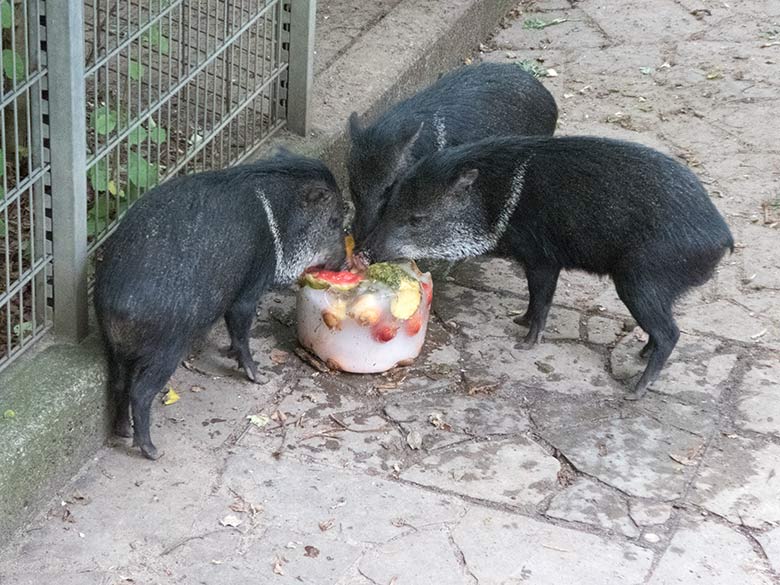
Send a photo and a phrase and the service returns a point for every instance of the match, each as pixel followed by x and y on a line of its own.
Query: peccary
pixel 593 204
pixel 198 248
pixel 468 104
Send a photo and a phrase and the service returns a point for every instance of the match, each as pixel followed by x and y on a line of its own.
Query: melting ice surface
pixel 353 347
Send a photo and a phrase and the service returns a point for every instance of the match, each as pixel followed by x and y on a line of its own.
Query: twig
pixel 183 541
pixel 346 427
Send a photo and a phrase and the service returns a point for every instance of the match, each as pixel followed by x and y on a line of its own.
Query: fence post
pixel 68 152
pixel 301 66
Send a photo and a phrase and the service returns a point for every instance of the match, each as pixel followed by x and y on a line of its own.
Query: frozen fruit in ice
pixel 390 274
pixel 406 300
pixel 384 332
pixel 334 314
pixel 366 309
pixel 414 324
pixel 428 290
pixel 320 279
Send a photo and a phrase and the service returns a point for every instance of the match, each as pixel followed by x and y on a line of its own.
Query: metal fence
pixel 102 100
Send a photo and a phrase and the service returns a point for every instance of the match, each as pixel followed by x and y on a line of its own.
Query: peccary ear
pixel 405 159
pixel 463 182
pixel 282 152
pixel 354 125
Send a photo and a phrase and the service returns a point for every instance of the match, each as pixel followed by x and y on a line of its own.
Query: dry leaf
pixel 259 420
pixel 231 520
pixel 197 389
pixel 311 551
pixel 414 439
pixel 326 524
pixel 279 356
pixel 278 567
pixel 170 396
pixel 238 506
pixel 435 419
pixel 279 417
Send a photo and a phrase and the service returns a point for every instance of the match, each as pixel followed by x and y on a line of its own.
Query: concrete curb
pixel 59 420
pixel 58 394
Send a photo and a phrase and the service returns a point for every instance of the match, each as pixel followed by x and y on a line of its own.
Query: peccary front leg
pixel 238 319
pixel 651 306
pixel 542 281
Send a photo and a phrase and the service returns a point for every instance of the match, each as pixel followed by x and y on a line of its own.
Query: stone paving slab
pixel 592 503
pixel 499 549
pixel 740 480
pixel 711 553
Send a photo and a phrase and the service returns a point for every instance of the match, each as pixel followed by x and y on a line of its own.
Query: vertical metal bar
pixel 301 72
pixel 68 163
pixel 35 146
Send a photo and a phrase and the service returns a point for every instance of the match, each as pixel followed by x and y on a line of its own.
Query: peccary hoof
pixel 635 394
pixel 122 428
pixel 530 340
pixel 151 452
pixel 523 320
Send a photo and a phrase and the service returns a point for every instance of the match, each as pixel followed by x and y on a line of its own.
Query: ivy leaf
pixel 98 175
pixel 159 40
pixel 103 120
pixel 97 217
pixel 136 136
pixel 158 134
pixel 13 65
pixel 142 174
pixel 7 14
pixel 23 329
pixel 135 70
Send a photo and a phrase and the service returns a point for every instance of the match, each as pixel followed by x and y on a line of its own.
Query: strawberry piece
pixel 414 324
pixel 428 289
pixel 384 332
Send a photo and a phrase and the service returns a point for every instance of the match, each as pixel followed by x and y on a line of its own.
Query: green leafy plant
pixel 22 329
pixel 6 14
pixel 98 175
pixel 135 70
pixel 137 136
pixel 156 38
pixel 141 173
pixel 533 68
pixel 134 176
pixel 104 120
pixel 13 65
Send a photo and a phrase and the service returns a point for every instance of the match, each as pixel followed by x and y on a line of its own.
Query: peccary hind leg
pixel 651 305
pixel 542 281
pixel 148 382
pixel 119 396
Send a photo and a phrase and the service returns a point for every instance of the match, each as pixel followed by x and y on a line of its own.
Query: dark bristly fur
pixel 198 248
pixel 593 204
pixel 468 104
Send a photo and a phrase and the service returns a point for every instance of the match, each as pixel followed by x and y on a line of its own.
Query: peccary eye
pixel 417 219
pixel 314 196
